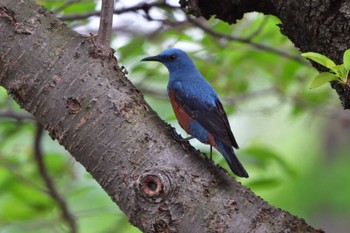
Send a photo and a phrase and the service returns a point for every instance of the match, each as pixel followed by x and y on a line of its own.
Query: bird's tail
pixel 231 159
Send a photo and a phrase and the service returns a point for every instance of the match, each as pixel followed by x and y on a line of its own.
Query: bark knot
pixel 154 187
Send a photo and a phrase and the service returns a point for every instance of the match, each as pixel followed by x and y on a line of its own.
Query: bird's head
pixel 174 59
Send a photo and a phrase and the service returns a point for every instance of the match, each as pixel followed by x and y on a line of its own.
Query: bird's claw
pixel 209 158
pixel 178 137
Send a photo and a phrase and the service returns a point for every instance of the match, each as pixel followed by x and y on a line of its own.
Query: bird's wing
pixel 212 117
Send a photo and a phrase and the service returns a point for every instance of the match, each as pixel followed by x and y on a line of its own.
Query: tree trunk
pixel 321 26
pixel 88 105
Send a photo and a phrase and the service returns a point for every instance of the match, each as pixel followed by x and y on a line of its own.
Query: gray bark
pixel 87 103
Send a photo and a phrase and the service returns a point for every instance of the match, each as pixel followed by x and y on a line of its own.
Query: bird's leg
pixel 179 139
pixel 211 153
pixel 184 139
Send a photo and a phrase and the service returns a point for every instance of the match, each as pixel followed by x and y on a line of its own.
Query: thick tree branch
pixel 51 189
pixel 91 108
pixel 228 10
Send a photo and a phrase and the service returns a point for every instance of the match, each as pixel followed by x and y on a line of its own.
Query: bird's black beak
pixel 153 58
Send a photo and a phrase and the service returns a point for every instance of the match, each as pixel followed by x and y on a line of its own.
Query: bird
pixel 197 106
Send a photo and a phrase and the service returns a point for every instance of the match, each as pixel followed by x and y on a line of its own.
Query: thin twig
pixel 65 5
pixel 266 48
pixel 67 216
pixel 104 35
pixel 16 115
pixel 144 6
pixel 228 100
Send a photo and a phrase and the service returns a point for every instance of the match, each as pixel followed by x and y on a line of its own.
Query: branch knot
pixel 154 186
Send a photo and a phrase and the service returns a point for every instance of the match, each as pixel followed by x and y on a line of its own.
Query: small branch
pixel 228 100
pixel 144 6
pixel 216 34
pixel 65 5
pixel 105 30
pixel 52 191
pixel 16 115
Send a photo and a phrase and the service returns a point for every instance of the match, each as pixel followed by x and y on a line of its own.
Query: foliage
pixel 337 72
pixel 285 131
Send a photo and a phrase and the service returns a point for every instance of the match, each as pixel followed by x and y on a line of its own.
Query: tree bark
pixel 321 26
pixel 86 102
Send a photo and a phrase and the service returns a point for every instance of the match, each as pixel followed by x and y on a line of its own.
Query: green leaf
pixel 339 70
pixel 320 59
pixel 322 78
pixel 346 59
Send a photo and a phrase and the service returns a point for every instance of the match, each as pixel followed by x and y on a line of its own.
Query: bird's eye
pixel 172 57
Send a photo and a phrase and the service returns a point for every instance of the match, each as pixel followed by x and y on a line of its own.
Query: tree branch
pixel 16 115
pixel 52 191
pixel 144 7
pixel 262 47
pixel 104 35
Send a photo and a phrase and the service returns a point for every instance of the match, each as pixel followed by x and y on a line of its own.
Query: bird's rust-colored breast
pixel 182 117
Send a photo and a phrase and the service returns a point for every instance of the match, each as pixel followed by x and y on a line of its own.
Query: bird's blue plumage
pixel 197 106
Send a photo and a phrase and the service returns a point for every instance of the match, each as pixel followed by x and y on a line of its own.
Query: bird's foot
pixel 178 137
pixel 209 158
pixel 211 154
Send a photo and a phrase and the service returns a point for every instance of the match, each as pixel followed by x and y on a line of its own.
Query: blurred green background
pixel 294 141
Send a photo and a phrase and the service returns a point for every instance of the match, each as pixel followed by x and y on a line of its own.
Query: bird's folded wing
pixel 211 117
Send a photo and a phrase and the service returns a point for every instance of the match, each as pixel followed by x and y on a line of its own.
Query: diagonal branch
pixel 52 191
pixel 263 47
